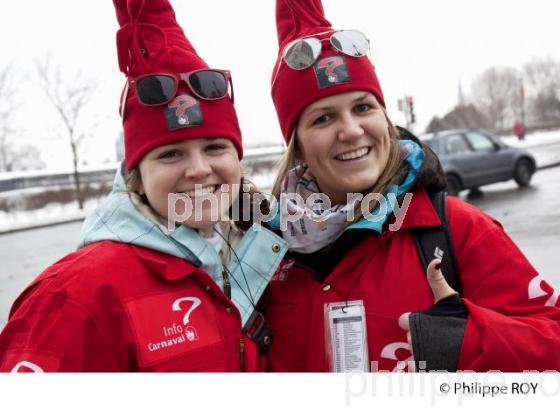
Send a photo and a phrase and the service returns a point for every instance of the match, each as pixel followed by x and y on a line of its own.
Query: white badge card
pixel 346 338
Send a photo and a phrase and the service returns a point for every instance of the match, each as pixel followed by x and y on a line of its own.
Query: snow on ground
pixel 50 214
pixel 534 139
pixel 56 170
pixel 57 213
pixel 544 145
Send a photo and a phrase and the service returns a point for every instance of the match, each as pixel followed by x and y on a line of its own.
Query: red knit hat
pixel 151 41
pixel 294 90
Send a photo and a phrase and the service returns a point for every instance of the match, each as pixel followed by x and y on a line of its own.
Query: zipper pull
pixel 227 284
pixel 241 352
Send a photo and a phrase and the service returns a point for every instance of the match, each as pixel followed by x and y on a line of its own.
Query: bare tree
pixel 69 97
pixel 7 110
pixel 496 93
pixel 462 116
pixel 13 156
pixel 542 76
pixel 542 80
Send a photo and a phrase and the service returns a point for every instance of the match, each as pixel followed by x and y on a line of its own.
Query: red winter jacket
pixel 513 314
pixel 117 307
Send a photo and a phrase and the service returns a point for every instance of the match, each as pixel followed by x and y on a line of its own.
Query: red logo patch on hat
pixel 184 111
pixel 331 71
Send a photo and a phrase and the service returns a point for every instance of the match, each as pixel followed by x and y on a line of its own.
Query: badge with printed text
pixel 172 324
pixel 346 337
pixel 182 112
pixel 331 71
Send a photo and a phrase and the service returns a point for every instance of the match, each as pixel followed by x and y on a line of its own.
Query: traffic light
pixel 411 109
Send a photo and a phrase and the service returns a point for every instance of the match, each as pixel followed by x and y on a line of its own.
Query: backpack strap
pixel 435 242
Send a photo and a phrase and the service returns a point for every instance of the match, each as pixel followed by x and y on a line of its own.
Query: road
pixel 530 216
pixel 25 254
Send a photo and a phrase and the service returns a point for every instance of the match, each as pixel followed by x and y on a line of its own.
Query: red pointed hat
pixel 293 90
pixel 151 41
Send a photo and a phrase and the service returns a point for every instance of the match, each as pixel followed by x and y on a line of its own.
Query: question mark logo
pixel 331 71
pixel 329 64
pixel 390 352
pixel 26 366
pixel 182 103
pixel 177 306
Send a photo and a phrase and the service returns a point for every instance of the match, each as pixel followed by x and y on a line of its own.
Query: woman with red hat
pixel 163 280
pixel 353 293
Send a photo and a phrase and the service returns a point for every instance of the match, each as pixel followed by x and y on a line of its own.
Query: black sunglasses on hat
pixel 160 88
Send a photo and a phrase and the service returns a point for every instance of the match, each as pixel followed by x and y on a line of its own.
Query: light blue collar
pixel 117 219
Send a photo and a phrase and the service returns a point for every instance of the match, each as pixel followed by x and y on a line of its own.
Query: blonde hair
pixel 133 183
pixel 392 173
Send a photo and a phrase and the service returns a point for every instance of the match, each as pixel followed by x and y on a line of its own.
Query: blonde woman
pixel 352 294
pixel 147 290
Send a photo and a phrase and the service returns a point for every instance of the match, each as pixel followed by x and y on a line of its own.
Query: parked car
pixel 472 158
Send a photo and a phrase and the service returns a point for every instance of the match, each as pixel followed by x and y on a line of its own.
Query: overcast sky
pixel 420 48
